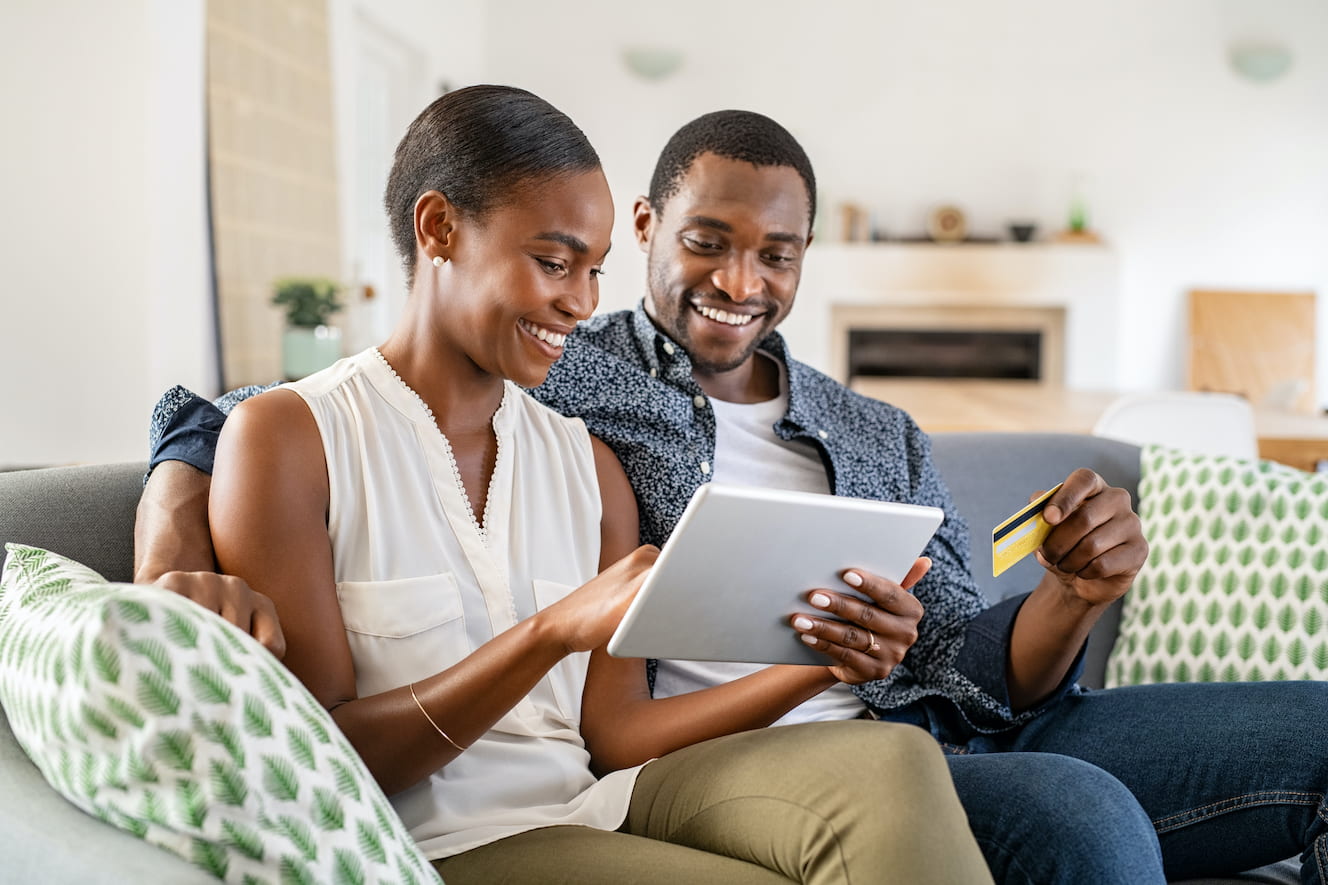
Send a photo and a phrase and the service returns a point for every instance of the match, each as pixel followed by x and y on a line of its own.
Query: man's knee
pixel 1045 818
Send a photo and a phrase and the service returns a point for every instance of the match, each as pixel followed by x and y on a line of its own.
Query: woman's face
pixel 526 273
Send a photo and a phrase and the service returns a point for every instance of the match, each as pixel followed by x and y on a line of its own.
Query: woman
pixel 430 536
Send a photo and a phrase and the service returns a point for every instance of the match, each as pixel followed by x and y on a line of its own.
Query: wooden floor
pixel 943 406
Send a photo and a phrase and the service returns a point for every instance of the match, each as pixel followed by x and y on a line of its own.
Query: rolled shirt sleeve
pixel 185 427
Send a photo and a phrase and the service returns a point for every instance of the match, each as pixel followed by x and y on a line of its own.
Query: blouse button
pixel 699 402
pixel 705 468
pixel 654 373
pixel 668 348
pixel 822 434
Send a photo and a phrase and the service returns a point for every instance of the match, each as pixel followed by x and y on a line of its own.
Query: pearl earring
pixel 438 261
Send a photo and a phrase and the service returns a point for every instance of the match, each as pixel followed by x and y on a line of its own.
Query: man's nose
pixel 740 277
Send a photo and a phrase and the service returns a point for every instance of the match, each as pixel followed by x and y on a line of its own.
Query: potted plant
pixel 308 343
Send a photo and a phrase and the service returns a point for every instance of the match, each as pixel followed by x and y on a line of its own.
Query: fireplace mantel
pixel 964 280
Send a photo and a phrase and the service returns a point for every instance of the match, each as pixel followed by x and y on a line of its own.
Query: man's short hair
pixel 735 135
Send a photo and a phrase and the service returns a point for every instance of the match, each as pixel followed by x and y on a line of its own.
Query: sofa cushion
pixel 157 716
pixel 1236 583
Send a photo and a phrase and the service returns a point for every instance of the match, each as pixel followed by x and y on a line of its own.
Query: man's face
pixel 724 258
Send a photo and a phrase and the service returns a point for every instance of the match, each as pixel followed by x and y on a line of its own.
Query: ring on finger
pixel 874 645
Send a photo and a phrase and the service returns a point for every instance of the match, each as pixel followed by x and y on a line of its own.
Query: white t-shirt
pixel 748 452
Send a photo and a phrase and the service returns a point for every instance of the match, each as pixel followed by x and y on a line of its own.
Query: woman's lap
pixel 818 803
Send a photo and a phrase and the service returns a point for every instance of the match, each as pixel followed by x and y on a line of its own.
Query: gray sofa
pixel 87 513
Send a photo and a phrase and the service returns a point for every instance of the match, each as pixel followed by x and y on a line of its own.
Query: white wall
pixel 102 237
pixel 1195 176
pixel 107 300
pixel 390 59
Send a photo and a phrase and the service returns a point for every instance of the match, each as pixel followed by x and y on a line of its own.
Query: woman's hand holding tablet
pixel 868 634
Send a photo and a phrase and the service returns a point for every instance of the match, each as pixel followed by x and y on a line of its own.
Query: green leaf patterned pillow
pixel 1236 583
pixel 157 716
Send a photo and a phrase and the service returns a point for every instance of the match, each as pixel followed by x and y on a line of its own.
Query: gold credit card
pixel 1021 534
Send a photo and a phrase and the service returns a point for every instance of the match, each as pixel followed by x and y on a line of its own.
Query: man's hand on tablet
pixel 868 630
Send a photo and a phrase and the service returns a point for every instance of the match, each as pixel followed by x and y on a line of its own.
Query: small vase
pixel 305 350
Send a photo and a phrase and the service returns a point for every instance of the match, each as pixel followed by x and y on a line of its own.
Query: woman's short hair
pixel 477 146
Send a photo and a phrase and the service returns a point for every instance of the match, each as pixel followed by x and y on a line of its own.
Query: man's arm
pixel 172 538
pixel 171 525
pixel 1095 550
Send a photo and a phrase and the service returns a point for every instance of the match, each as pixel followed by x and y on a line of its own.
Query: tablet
pixel 741 562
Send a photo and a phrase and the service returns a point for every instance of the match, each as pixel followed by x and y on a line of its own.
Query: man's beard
pixel 710 367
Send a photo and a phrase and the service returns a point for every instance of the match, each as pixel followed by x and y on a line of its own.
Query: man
pixel 1060 784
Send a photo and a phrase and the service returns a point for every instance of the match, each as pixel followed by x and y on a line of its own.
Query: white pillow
pixel 159 717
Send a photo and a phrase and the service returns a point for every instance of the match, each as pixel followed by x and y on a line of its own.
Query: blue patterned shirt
pixel 633 387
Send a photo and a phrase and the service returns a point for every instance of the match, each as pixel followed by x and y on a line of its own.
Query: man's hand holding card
pixel 1092 546
pixel 1085 533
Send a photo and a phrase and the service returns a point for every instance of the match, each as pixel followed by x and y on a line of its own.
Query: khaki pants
pixel 831 802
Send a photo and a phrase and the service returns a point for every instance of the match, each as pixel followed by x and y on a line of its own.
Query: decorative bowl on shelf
pixel 1022 231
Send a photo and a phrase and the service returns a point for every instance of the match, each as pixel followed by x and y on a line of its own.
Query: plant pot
pixel 305 350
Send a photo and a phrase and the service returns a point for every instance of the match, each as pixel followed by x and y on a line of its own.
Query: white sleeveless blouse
pixel 421 586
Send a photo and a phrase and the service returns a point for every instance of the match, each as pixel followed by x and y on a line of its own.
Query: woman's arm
pixel 269 525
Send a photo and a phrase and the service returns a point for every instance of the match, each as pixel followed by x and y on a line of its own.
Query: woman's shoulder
pixel 521 410
pixel 276 415
pixel 334 376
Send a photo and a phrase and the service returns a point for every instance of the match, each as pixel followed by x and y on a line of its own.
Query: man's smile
pixel 728 317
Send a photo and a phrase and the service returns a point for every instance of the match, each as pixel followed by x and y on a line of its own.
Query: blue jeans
pixel 1140 785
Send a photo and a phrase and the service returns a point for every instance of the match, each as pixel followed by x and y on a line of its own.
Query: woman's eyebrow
pixel 576 244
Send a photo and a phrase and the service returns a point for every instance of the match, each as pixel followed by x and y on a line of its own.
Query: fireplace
pixel 1066 296
pixel 983 342
pixel 945 353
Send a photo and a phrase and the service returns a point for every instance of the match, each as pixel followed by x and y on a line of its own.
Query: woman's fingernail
pixel 820 600
pixel 803 624
pixel 853 579
pixel 810 640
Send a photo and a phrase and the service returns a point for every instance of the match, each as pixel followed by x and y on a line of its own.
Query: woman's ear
pixel 643 222
pixel 434 221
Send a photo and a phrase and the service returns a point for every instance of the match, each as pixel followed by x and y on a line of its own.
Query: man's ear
pixel 435 218
pixel 643 222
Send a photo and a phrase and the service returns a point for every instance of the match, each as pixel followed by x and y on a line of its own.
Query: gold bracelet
pixel 460 748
